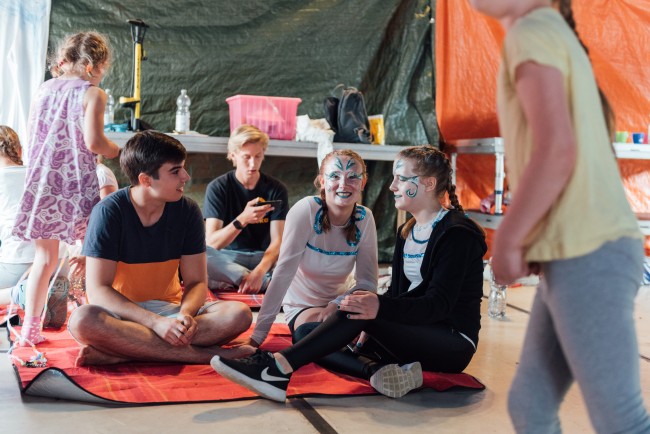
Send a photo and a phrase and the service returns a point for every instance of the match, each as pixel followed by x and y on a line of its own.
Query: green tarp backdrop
pixel 216 49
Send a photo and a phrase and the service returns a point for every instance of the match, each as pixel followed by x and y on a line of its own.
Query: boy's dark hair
pixel 147 151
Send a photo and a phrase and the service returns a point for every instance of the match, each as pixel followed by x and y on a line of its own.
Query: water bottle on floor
pixel 497 298
pixel 183 112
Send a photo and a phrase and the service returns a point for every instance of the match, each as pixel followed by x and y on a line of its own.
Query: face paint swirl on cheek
pixel 412 191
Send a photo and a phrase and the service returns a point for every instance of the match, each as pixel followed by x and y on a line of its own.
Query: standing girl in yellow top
pixel 569 220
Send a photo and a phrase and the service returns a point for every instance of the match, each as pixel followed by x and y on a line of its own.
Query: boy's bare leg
pixel 222 322
pixel 111 340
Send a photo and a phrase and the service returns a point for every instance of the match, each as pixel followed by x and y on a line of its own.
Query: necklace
pixel 420 228
pixel 439 217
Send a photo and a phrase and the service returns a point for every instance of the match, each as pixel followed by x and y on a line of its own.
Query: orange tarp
pixel 468 46
pixel 164 383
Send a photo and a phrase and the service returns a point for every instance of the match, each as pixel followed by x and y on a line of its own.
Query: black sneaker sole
pixel 262 388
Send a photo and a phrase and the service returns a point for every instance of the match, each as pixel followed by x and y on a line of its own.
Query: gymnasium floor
pixel 422 412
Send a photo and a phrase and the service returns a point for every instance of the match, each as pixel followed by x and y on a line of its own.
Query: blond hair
pixel 10 144
pixel 76 52
pixel 243 135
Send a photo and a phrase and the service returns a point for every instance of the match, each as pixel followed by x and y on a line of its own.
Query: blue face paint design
pixel 331 178
pixel 354 176
pixel 410 191
pixel 415 180
pixel 335 175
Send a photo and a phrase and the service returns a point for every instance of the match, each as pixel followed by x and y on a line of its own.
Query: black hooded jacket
pixel 452 285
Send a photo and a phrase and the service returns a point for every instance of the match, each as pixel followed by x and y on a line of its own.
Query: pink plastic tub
pixel 274 115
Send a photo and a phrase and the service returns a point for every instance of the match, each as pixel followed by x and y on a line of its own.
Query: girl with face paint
pixel 340 182
pixel 326 237
pixel 429 318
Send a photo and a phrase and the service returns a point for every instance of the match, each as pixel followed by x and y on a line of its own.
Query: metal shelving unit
pixel 632 151
pixel 284 148
pixel 487 146
pixel 636 152
pixel 494 146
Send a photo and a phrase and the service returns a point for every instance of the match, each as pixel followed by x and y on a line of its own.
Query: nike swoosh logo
pixel 267 377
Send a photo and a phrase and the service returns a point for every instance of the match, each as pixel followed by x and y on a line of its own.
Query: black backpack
pixel 347 116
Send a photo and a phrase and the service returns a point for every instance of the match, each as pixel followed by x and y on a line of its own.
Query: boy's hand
pixel 171 330
pixel 253 213
pixel 251 283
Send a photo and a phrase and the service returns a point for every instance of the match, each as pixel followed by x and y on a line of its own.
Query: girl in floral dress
pixel 66 130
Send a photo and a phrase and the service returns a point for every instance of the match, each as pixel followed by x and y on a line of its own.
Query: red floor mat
pixel 157 383
pixel 254 301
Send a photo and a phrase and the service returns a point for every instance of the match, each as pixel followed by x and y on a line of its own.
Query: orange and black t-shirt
pixel 147 257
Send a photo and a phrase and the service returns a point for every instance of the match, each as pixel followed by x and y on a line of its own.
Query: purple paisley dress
pixel 61 185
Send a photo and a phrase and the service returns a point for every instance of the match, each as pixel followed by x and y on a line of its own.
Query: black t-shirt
pixel 226 198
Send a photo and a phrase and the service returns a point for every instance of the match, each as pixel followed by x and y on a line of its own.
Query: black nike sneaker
pixel 258 373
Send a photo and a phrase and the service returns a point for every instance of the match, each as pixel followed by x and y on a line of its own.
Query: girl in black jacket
pixel 429 318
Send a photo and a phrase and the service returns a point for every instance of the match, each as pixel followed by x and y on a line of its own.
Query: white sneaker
pixel 396 381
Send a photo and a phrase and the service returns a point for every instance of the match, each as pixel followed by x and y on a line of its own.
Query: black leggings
pixel 437 346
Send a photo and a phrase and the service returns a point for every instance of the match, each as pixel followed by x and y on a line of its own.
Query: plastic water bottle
pixel 497 298
pixel 109 111
pixel 183 112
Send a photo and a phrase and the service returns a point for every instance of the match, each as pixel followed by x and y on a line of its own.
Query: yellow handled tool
pixel 138 29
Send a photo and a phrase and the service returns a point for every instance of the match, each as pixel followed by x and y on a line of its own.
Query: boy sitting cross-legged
pixel 137 240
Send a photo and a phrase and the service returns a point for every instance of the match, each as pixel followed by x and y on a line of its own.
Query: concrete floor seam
pixel 312 416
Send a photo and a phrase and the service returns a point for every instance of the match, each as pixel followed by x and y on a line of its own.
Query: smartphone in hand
pixel 273 203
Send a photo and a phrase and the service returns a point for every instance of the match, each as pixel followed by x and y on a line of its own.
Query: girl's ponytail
pixel 406 229
pixel 453 199
pixel 325 218
pixel 10 145
pixel 565 9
